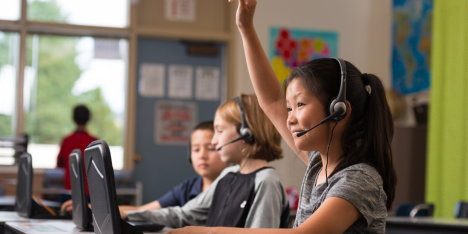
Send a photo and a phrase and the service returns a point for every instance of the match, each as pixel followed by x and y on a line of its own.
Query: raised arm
pixel 268 89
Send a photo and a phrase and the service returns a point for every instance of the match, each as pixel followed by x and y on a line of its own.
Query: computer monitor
pixel 101 183
pixel 23 203
pixel 26 204
pixel 81 211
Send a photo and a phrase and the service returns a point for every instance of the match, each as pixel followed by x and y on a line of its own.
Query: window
pixel 10 9
pixel 9 46
pixel 54 68
pixel 82 12
pixel 62 72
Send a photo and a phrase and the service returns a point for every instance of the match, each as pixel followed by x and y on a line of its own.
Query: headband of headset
pixel 245 131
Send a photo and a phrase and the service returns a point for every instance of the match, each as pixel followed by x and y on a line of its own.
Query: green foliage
pixel 49 118
pixel 5 58
pixel 5 125
pixel 4 48
pixel 45 11
pixel 102 120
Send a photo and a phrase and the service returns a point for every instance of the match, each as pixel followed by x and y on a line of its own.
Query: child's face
pixel 205 159
pixel 224 133
pixel 304 112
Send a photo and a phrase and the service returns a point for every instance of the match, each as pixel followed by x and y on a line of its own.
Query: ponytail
pixel 378 135
pixel 369 133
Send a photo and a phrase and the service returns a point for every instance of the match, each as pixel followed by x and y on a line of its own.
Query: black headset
pixel 338 106
pixel 245 132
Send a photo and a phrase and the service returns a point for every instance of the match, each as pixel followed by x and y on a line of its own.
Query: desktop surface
pixel 9 216
pixel 405 225
pixel 50 226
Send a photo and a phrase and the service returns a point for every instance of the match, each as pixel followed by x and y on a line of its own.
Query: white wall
pixel 364 32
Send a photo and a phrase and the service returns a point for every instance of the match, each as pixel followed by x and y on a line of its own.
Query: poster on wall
pixel 174 122
pixel 180 81
pixel 412 30
pixel 151 83
pixel 180 10
pixel 290 48
pixel 207 87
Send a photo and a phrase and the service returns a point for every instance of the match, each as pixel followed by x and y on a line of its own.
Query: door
pixel 162 144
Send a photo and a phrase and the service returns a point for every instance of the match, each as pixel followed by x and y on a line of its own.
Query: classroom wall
pixel 363 26
pixel 364 32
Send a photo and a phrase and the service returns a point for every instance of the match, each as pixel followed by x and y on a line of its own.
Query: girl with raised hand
pixel 349 184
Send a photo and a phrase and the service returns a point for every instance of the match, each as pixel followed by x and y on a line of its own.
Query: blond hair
pixel 266 144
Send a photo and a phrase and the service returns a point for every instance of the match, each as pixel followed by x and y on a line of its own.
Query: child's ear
pixel 349 109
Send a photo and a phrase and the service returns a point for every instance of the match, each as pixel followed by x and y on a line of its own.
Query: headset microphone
pixel 337 113
pixel 235 140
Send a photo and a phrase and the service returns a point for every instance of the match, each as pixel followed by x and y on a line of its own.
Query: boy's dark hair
pixel 368 135
pixel 81 115
pixel 206 125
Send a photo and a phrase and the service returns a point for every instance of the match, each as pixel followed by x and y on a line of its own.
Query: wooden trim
pixel 19 124
pixel 181 35
pixel 10 26
pixel 35 27
pixel 129 138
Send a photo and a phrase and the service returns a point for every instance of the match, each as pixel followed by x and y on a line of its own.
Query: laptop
pixel 81 212
pixel 101 183
pixel 27 205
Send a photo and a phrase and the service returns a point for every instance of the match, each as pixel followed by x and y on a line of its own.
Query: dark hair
pixel 206 125
pixel 368 135
pixel 81 114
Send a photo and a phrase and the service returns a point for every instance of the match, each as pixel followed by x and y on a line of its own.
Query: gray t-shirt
pixel 269 203
pixel 359 184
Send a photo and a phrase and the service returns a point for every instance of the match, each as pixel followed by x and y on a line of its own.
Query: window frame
pixel 132 32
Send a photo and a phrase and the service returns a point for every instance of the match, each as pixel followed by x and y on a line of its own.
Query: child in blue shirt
pixel 205 161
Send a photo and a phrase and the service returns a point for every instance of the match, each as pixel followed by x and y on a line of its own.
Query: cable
pixel 328 147
pixel 248 157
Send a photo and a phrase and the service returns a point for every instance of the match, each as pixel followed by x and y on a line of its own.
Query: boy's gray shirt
pixel 269 203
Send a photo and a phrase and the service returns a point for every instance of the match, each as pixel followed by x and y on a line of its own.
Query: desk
pixel 404 225
pixel 9 202
pixel 49 226
pixel 9 216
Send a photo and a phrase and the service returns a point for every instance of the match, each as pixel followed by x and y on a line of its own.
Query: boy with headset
pixel 247 195
pixel 205 161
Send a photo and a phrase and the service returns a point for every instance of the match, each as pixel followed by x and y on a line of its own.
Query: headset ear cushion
pixel 331 105
pixel 247 135
pixel 332 109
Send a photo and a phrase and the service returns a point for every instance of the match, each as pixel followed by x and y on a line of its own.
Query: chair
pixel 415 210
pixel 461 209
pixel 82 216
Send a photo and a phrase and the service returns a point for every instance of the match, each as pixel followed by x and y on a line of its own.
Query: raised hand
pixel 245 13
